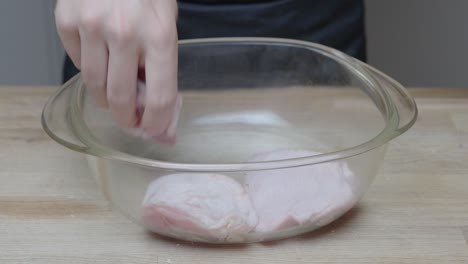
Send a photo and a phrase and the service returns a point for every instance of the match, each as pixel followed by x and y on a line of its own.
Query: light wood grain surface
pixel 415 212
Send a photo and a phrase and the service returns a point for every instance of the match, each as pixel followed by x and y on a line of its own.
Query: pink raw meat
pixel 289 197
pixel 169 136
pixel 206 205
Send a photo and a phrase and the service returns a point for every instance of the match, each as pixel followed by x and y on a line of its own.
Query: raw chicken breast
pixel 289 197
pixel 169 136
pixel 206 205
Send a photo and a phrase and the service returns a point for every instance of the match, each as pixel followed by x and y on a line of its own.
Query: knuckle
pixel 163 37
pixel 121 37
pixel 122 32
pixel 64 23
pixel 62 18
pixel 91 23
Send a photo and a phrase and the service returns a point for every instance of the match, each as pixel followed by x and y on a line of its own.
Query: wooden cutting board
pixel 415 212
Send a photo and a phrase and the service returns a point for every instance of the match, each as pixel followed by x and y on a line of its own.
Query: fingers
pixel 169 136
pixel 110 41
pixel 122 83
pixel 94 58
pixel 171 130
pixel 160 57
pixel 68 32
pixel 161 90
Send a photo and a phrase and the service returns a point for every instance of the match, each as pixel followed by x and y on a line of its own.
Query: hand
pixel 109 40
pixel 169 135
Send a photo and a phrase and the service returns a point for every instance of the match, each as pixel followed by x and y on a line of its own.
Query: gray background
pixel 418 42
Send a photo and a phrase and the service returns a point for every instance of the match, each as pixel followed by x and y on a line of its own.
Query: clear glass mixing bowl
pixel 244 96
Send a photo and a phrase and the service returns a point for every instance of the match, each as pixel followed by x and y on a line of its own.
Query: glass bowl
pixel 276 138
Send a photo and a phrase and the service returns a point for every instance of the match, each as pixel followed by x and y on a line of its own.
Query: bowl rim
pixel 391 130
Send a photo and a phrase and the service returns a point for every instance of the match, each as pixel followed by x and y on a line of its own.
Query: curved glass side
pixel 56 116
pixel 402 100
